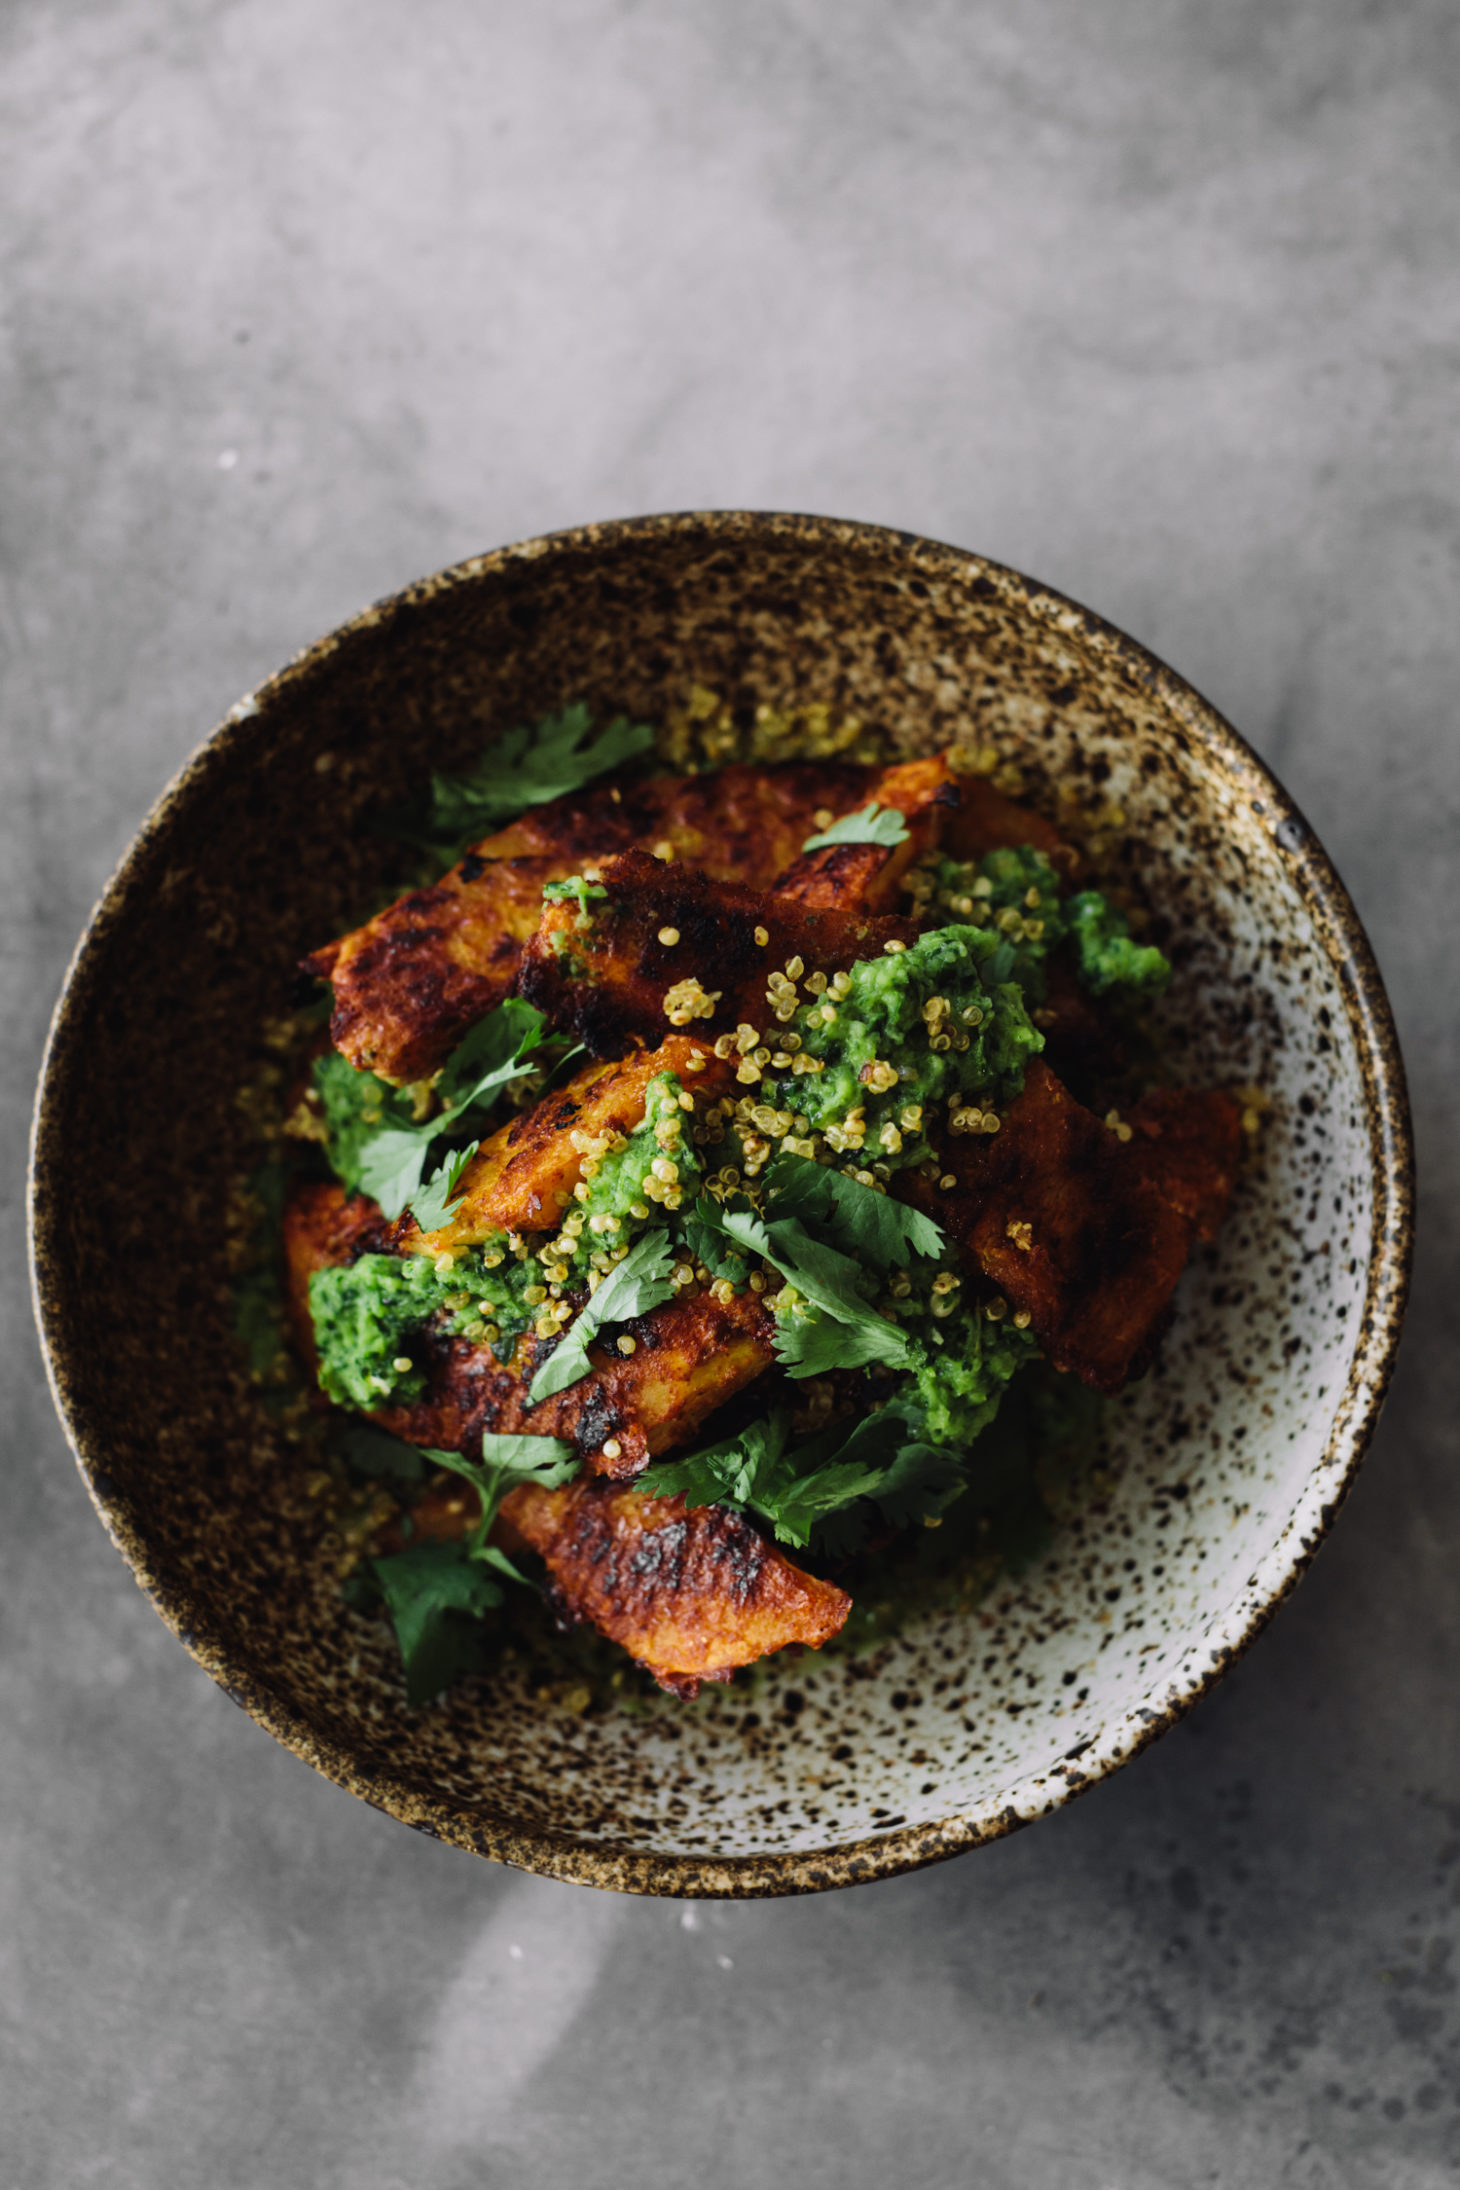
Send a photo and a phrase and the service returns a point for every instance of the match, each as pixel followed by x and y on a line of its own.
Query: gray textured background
pixel 1154 298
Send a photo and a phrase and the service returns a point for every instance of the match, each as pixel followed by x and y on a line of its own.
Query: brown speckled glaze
pixel 1232 1457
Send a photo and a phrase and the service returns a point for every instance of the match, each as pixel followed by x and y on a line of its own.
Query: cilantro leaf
pixel 873 825
pixel 918 1483
pixel 526 767
pixel 391 1163
pixel 812 1343
pixel 542 1459
pixel 801 1505
pixel 389 1166
pixel 426 1590
pixel 438 1201
pixel 706 1244
pixel 870 1227
pixel 828 1278
pixel 483 1061
pixel 492 1556
pixel 737 1222
pixel 755 1473
pixel 816 1487
pixel 848 1332
pixel 430 1588
pixel 634 1286
pixel 507 1461
pixel 700 1478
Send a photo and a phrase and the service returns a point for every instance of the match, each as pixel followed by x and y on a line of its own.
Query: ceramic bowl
pixel 768 635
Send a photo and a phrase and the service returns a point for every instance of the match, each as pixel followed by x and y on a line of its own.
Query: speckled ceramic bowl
pixel 772 635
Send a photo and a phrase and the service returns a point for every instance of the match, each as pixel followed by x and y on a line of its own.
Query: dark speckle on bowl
pixel 773 635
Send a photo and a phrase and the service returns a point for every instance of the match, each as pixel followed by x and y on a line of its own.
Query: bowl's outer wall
pixel 1233 1456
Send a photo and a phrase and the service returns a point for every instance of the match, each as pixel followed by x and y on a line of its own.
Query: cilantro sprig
pixel 435 1593
pixel 426 1589
pixel 838 1328
pixel 634 1286
pixel 870 1227
pixel 437 1202
pixel 507 1461
pixel 526 767
pixel 389 1164
pixel 817 1487
pixel 873 825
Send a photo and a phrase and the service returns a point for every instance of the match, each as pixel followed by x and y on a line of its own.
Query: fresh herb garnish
pixel 811 1341
pixel 438 1201
pixel 506 1462
pixel 837 1328
pixel 755 1473
pixel 813 1487
pixel 526 767
pixel 873 825
pixel 581 891
pixel 427 1587
pixel 426 1590
pixel 870 1227
pixel 389 1165
pixel 632 1287
pixel 708 1245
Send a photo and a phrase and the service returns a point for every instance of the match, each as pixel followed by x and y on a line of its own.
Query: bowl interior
pixel 775 637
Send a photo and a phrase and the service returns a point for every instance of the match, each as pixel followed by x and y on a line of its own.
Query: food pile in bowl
pixel 1098 1561
pixel 722 1192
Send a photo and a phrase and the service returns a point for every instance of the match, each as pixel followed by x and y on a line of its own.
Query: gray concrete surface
pixel 1155 298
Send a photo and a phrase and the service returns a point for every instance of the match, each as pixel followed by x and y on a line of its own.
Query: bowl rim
pixel 1355 1411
